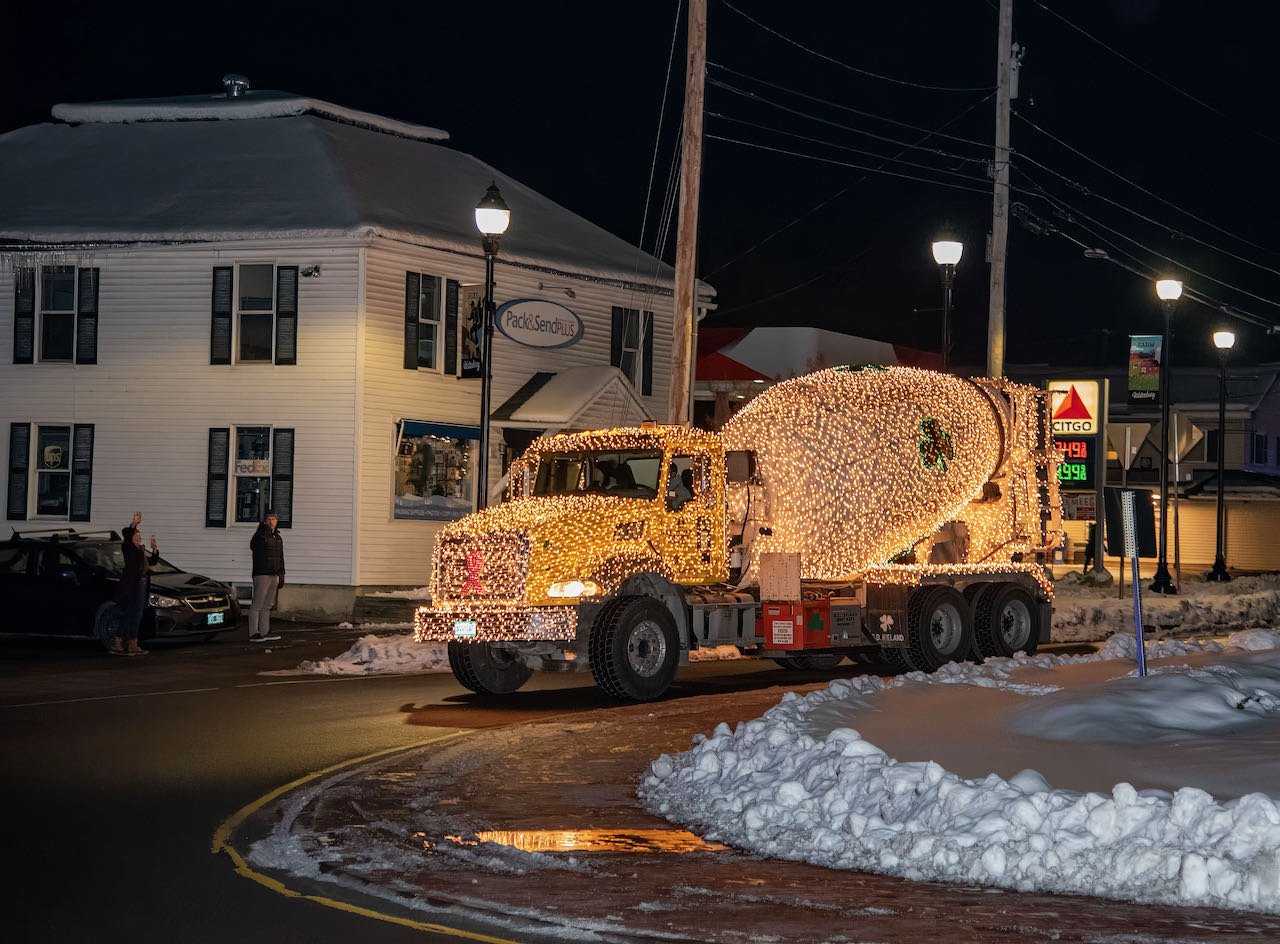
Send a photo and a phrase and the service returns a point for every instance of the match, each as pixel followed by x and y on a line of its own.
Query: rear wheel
pixel 487 669
pixel 1006 620
pixel 900 660
pixel 634 648
pixel 939 627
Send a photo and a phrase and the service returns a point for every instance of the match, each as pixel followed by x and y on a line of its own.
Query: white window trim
pixel 441 286
pixel 34 470
pixel 237 314
pixel 645 324
pixel 41 311
pixel 233 477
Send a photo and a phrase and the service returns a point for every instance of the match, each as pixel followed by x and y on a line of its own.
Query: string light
pixel 860 467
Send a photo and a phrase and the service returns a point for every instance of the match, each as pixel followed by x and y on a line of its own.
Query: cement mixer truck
pixel 892 514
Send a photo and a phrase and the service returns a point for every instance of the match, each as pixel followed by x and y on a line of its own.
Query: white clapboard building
pixel 212 304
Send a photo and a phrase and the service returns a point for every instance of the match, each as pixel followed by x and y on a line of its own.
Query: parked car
pixel 61 583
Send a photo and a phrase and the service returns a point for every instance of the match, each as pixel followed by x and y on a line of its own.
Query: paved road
pixel 117 772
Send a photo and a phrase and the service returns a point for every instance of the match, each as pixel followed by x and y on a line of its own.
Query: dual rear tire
pixel 945 625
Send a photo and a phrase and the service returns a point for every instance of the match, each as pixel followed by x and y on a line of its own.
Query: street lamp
pixel 1224 341
pixel 492 218
pixel 1168 291
pixel 947 251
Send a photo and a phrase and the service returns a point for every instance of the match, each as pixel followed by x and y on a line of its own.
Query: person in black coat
pixel 131 592
pixel 268 576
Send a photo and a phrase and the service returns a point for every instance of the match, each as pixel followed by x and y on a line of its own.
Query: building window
pixel 58 313
pixel 632 347
pixel 257 311
pixel 1212 438
pixel 252 472
pixel 53 471
pixel 435 470
pixel 430 309
pixel 55 460
pixel 1259 449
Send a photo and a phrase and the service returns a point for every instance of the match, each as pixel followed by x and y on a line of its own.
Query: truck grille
pixel 487 568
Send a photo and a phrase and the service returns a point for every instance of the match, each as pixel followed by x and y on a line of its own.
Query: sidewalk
pixel 407 829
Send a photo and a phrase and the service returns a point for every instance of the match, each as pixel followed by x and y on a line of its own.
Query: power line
pixel 840 193
pixel 985 145
pixel 842 147
pixel 1139 187
pixel 828 160
pixel 1064 206
pixel 845 65
pixel 1163 81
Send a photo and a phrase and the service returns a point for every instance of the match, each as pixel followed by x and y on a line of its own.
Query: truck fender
pixel 669 594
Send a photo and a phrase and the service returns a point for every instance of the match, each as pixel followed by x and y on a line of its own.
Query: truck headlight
pixel 163 602
pixel 573 588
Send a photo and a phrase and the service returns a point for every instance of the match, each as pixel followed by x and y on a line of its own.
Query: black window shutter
pixel 412 289
pixel 615 339
pixel 24 315
pixel 287 315
pixel 215 498
pixel 87 319
pixel 451 290
pixel 220 333
pixel 81 471
pixel 646 324
pixel 282 476
pixel 19 455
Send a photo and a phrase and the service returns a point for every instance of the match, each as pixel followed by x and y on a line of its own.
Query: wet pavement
pixel 453 827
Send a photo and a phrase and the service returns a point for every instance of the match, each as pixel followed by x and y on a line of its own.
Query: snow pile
pixel 379 655
pixel 800 783
pixel 413 593
pixel 1082 613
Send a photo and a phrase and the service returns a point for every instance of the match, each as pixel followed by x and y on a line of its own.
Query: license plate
pixel 215 618
pixel 464 629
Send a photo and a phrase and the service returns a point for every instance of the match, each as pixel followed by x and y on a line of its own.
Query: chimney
pixel 236 85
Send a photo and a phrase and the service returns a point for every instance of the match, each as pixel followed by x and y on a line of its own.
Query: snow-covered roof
pixel 792 351
pixel 139 172
pixel 266 103
pixel 562 396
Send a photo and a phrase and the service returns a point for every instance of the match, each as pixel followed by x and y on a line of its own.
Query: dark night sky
pixel 565 96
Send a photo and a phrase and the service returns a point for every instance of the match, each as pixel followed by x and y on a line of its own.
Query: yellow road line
pixel 222 843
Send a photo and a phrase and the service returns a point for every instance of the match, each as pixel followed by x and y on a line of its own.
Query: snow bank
pixel 1083 613
pixel 801 783
pixel 379 655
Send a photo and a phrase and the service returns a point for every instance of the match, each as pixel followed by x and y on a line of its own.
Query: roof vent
pixel 236 85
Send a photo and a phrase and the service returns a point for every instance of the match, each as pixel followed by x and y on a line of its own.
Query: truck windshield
pixel 627 474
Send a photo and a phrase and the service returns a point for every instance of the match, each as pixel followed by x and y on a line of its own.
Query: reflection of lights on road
pixel 592 840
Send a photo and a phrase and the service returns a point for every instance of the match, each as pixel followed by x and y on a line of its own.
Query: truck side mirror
pixel 740 466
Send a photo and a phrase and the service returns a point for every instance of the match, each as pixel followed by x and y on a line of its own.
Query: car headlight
pixel 573 588
pixel 163 602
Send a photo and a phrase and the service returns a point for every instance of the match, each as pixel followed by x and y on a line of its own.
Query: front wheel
pixel 486 669
pixel 634 648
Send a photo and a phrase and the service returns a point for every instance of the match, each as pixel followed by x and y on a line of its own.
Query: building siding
pixel 153 396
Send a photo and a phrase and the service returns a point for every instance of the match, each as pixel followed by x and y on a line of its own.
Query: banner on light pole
pixel 1144 368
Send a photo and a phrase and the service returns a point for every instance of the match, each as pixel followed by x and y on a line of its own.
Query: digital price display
pixel 1076 470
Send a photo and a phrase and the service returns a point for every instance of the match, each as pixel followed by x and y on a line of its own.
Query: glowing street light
pixel 947 251
pixel 493 216
pixel 1224 341
pixel 1168 291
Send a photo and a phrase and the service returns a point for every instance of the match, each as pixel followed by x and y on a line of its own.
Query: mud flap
pixel 886 623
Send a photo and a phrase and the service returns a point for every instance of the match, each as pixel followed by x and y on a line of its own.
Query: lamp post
pixel 1168 291
pixel 947 251
pixel 1224 341
pixel 492 218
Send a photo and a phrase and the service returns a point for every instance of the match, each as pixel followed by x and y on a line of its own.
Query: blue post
pixel 1131 549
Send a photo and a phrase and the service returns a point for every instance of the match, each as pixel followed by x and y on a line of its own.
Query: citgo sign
pixel 1073 407
pixel 534 322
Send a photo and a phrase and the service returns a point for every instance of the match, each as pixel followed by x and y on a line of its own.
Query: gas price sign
pixel 1077 468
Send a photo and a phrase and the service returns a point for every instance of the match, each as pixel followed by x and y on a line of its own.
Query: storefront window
pixel 435 471
pixel 253 472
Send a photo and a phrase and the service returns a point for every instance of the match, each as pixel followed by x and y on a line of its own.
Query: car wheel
pixel 104 619
pixel 634 648
pixel 487 669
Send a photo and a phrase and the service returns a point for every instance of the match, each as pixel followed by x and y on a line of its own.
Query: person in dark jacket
pixel 268 576
pixel 131 593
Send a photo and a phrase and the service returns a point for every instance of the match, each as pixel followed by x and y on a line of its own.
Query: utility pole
pixel 686 296
pixel 1000 197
